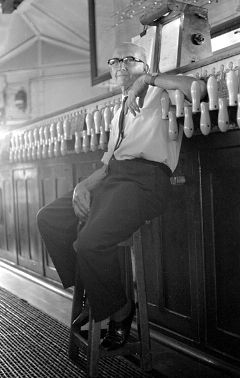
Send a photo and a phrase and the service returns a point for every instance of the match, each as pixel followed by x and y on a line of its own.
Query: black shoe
pixel 83 317
pixel 118 332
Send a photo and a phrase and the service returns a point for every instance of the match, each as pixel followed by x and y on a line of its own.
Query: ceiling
pixel 8 6
pixel 44 32
pixel 47 33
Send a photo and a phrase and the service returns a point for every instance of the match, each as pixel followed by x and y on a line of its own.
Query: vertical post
pixel 94 334
pixel 146 358
pixel 77 303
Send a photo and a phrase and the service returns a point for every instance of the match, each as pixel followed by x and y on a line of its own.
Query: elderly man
pixel 132 186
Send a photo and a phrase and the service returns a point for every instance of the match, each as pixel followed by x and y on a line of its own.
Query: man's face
pixel 125 73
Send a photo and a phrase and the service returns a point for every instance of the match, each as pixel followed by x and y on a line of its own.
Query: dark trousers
pixel 131 193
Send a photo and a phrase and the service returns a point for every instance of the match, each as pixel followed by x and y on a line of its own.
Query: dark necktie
pixel 120 125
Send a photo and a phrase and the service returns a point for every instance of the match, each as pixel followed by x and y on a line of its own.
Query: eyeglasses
pixel 128 61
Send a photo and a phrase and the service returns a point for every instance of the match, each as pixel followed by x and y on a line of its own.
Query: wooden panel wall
pixel 221 225
pixel 26 198
pixel 7 225
pixel 174 268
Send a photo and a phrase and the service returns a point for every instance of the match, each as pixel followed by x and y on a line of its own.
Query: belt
pixel 162 166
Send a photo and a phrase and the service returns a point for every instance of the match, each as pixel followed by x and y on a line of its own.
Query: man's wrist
pixel 150 79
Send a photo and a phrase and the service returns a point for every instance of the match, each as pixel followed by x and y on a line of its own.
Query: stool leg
pixel 126 270
pixel 146 357
pixel 78 295
pixel 94 334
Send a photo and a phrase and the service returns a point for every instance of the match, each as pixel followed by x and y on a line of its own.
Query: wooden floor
pixel 57 303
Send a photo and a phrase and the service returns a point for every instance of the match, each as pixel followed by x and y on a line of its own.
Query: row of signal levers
pixel 88 130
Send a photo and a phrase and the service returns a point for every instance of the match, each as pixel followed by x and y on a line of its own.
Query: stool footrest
pixel 80 338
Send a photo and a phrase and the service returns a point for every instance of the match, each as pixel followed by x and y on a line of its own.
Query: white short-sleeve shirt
pixel 146 134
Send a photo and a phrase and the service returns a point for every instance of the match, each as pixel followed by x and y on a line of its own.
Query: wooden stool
pixel 142 345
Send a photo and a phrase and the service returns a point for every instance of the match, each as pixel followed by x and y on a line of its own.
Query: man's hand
pixel 138 89
pixel 81 201
pixel 82 192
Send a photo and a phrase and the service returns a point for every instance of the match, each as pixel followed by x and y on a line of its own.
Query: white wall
pixel 47 91
pixel 51 94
